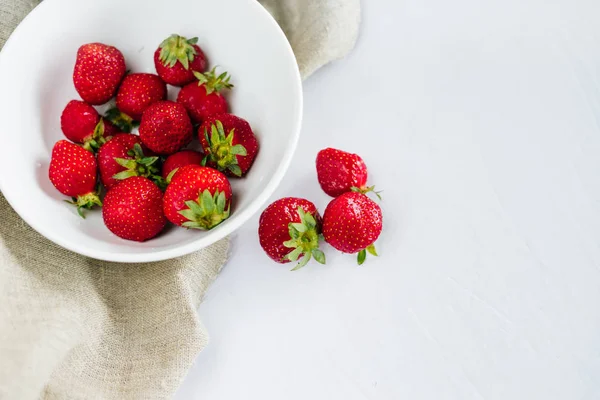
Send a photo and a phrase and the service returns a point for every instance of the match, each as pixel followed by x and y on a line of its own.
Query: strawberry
pixel 202 99
pixel 340 172
pixel 133 209
pixel 81 123
pixel 73 172
pixel 165 127
pixel 123 157
pixel 178 160
pixel 352 223
pixel 98 71
pixel 136 93
pixel 197 197
pixel 289 229
pixel 78 121
pixel 177 58
pixel 229 144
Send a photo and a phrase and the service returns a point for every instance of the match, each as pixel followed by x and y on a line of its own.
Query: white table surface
pixel 481 121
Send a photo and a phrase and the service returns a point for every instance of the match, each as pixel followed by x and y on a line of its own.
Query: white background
pixel 480 120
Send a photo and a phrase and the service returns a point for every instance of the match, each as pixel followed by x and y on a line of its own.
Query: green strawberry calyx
pixel 85 202
pixel 213 82
pixel 177 48
pixel 171 175
pixel 121 120
pixel 362 255
pixel 206 212
pixel 222 151
pixel 366 190
pixel 139 165
pixel 96 139
pixel 304 240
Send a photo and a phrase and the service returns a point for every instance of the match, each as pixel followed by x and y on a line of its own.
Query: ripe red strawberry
pixel 202 99
pixel 133 209
pixel 81 123
pixel 197 197
pixel 73 172
pixel 340 172
pixel 229 144
pixel 352 223
pixel 176 58
pixel 78 121
pixel 180 159
pixel 136 94
pixel 289 229
pixel 123 157
pixel 98 71
pixel 165 127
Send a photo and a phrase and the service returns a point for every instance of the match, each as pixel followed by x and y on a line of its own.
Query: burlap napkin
pixel 73 327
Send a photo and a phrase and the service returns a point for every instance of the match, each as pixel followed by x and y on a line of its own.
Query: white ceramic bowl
pixel 36 68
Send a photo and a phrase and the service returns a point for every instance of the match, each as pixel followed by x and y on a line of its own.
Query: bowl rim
pixel 204 241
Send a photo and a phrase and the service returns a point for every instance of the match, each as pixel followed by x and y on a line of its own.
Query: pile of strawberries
pixel 143 181
pixel 291 229
pixel 151 178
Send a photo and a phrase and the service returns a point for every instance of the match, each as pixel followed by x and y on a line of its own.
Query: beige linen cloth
pixel 76 328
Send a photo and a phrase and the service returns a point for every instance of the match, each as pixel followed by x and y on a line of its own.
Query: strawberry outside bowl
pixel 36 67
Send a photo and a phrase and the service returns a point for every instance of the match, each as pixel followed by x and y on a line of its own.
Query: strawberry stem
pixel 171 175
pixel 177 48
pixel 207 211
pixel 97 139
pixel 121 120
pixel 366 190
pixel 222 151
pixel 212 82
pixel 362 255
pixel 304 240
pixel 139 165
pixel 86 201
